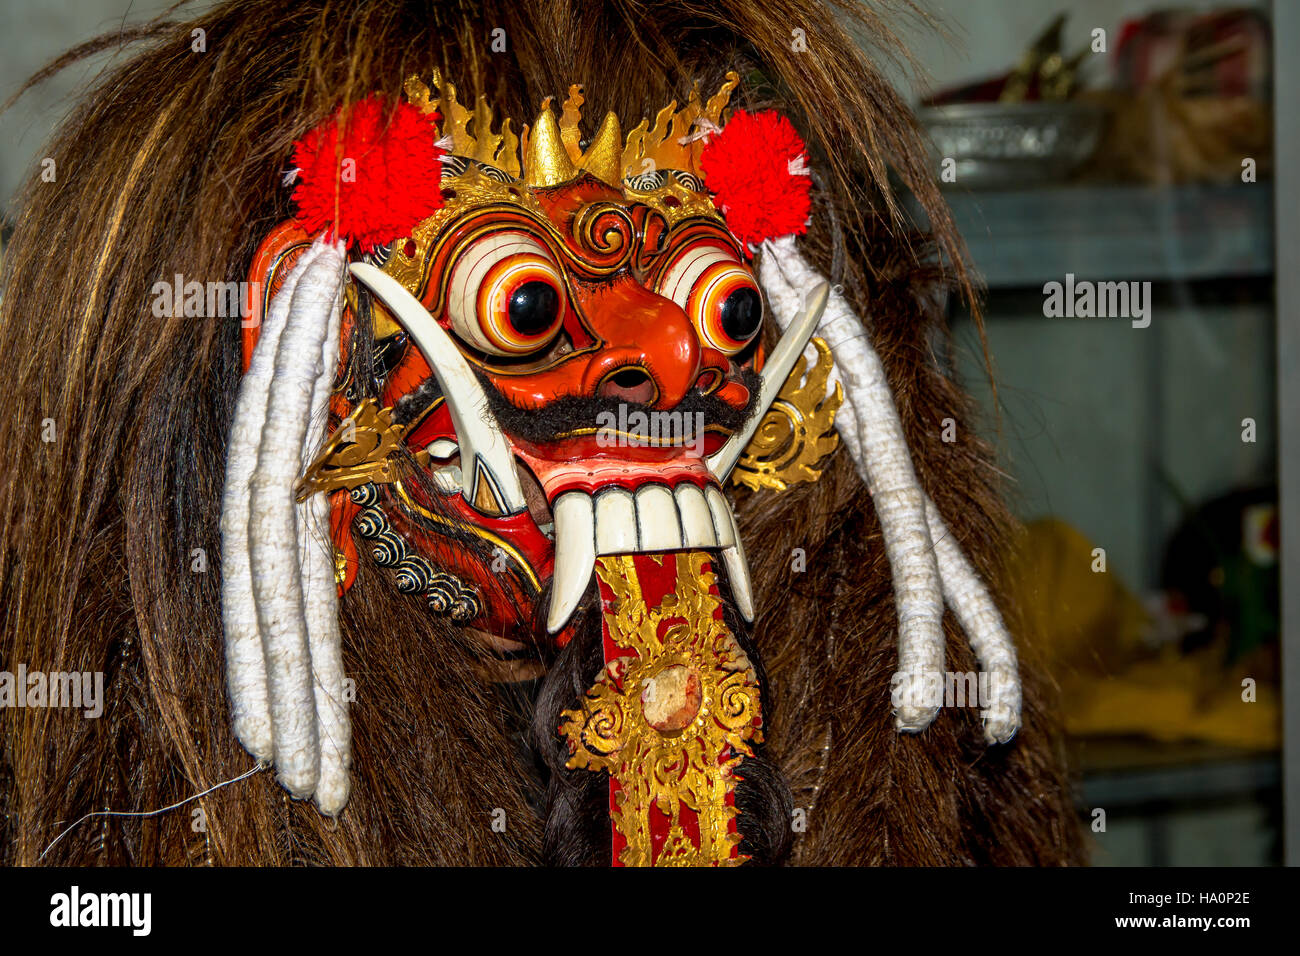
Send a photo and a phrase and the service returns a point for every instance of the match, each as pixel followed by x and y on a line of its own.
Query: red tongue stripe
pixel 671 716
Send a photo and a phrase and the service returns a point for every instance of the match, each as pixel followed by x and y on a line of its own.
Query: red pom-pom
pixel 376 185
pixel 757 170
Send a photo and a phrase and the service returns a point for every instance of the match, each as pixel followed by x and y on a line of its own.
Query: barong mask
pixel 540 356
pixel 569 347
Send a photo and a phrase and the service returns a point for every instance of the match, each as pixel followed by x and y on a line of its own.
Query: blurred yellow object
pixel 1090 630
pixel 1160 699
pixel 1083 622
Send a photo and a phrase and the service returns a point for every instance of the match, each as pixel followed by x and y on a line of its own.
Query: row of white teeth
pixel 653 519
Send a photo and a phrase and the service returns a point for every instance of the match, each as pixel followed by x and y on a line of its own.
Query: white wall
pixel 35 32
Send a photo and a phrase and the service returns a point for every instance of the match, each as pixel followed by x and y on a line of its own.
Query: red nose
pixel 651 353
pixel 646 352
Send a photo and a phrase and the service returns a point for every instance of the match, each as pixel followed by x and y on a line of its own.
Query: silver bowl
pixel 1012 144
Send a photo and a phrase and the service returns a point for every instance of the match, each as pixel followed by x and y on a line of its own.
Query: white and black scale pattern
pixel 413 574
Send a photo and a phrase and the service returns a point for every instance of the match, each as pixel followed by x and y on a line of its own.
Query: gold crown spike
pixel 604 157
pixel 662 144
pixel 551 152
pixel 546 161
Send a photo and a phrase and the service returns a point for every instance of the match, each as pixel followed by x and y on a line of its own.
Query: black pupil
pixel 742 311
pixel 533 307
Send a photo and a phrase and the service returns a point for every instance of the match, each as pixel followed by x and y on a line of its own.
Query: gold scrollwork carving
pixel 357 453
pixel 798 431
pixel 672 719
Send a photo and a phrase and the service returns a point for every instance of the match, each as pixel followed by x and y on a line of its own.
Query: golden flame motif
pixel 357 453
pixel 797 432
pixel 688 763
pixel 550 152
pixel 667 145
pixel 499 149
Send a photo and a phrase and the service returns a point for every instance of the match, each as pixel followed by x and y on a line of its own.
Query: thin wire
pixel 148 813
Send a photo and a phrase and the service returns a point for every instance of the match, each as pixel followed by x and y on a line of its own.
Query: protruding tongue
pixel 684 690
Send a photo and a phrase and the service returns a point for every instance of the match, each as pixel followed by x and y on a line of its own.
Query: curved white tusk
pixel 274 535
pixel 245 662
pixel 575 556
pixel 775 371
pixel 486 462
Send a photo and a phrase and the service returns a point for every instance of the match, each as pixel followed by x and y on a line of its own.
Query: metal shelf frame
pixel 1024 238
pixel 1286 139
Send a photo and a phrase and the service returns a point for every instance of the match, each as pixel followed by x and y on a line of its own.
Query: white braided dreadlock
pixel 927 562
pixel 283 653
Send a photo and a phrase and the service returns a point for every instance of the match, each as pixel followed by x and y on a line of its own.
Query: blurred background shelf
pixel 1027 237
pixel 1125 772
pixel 1185 804
pixel 1155 398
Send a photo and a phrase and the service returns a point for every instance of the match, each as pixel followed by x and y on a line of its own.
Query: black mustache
pixel 564 415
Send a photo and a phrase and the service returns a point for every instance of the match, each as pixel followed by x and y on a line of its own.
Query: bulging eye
pixel 506 295
pixel 719 294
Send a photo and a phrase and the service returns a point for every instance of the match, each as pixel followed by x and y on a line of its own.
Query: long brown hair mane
pixel 109 496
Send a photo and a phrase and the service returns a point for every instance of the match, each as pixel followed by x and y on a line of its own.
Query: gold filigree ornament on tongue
pixel 672 719
pixel 798 431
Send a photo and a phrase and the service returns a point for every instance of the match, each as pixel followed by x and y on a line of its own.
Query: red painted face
pixel 568 347
pixel 595 297
pixel 612 344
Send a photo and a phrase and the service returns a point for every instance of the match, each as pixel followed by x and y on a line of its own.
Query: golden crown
pixel 551 151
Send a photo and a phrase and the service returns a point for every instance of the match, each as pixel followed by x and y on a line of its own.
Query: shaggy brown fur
pixel 173 165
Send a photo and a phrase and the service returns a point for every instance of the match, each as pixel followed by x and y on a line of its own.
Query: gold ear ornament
pixel 798 431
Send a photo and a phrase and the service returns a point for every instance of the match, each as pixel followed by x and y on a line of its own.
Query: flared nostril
pixel 630 384
pixel 709 381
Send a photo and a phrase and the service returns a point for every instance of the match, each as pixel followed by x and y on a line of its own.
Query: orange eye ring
pixel 726 306
pixel 506 295
pixel 718 293
pixel 519 304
